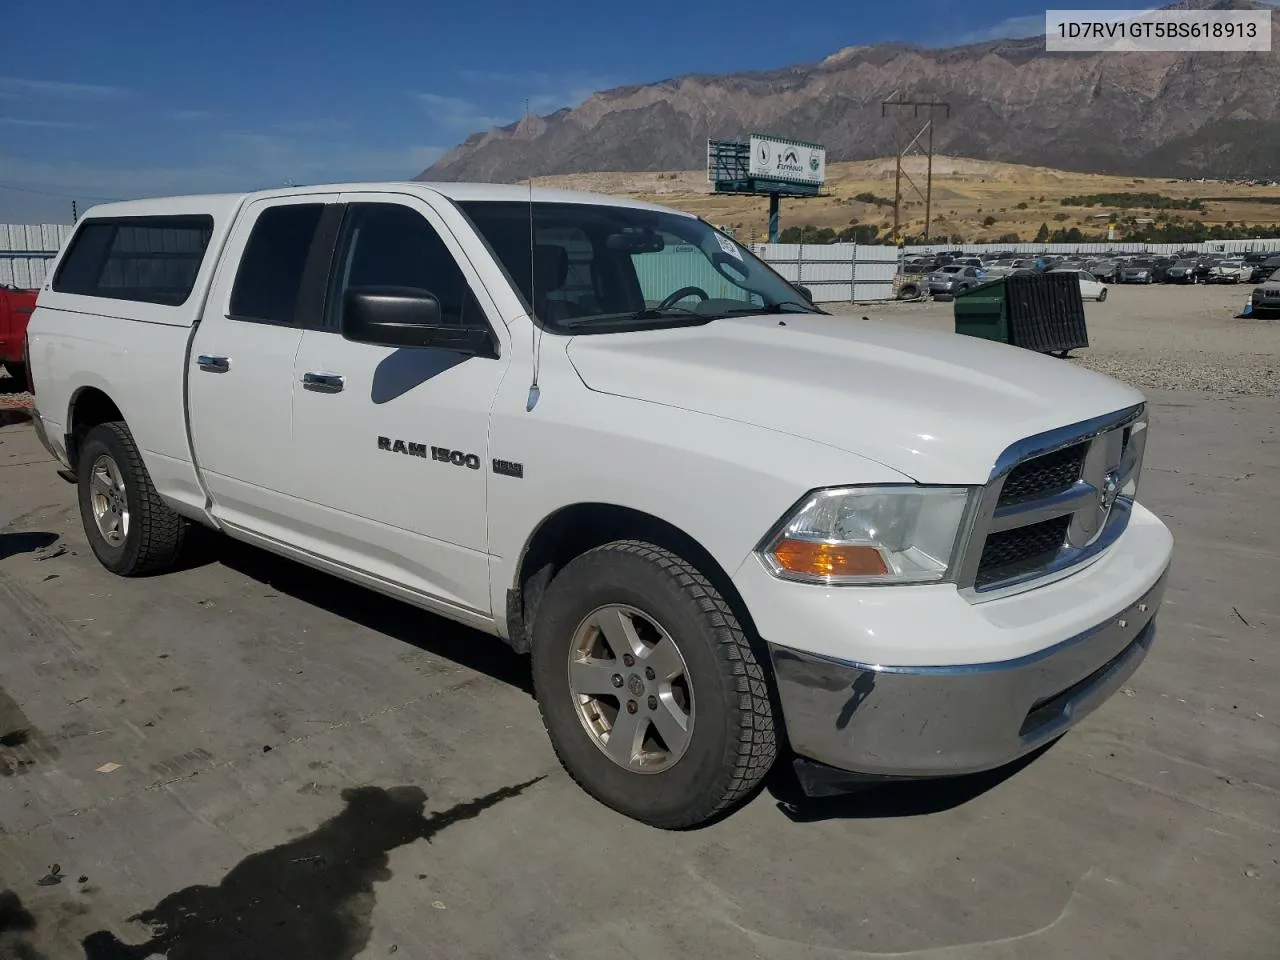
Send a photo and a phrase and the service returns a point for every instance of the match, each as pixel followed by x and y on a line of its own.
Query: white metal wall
pixel 832 271
pixel 835 271
pixel 1156 249
pixel 27 249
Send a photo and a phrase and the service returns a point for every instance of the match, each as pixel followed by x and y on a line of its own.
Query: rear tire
pixel 130 529
pixel 723 742
pixel 16 382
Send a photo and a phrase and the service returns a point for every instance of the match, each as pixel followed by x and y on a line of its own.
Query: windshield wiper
pixel 649 313
pixel 773 308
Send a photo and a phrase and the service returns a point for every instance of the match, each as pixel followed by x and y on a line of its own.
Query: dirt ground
pixel 1162 336
pixel 246 759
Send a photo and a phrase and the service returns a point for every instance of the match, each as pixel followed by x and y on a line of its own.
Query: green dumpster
pixel 1042 312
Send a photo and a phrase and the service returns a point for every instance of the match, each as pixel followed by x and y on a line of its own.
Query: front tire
pixel 130 529
pixel 649 690
pixel 1102 296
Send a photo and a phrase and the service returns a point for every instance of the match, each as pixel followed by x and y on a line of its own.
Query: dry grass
pixel 965 192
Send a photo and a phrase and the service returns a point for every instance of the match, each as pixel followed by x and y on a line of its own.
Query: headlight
pixel 871 535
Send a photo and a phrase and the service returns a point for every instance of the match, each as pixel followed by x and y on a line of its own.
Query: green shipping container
pixel 982 312
pixel 1041 312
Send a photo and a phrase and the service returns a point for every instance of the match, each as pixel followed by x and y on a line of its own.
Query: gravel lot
pixel 244 759
pixel 1159 337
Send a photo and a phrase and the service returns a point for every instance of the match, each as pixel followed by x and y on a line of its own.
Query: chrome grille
pixel 1054 501
pixel 1046 474
pixel 1012 553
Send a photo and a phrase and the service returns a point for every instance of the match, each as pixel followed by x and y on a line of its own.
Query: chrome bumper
pixel 939 721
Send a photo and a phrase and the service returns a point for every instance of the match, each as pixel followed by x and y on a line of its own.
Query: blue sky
pixel 116 100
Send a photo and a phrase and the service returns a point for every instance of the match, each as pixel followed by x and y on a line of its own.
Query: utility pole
pixel 896 106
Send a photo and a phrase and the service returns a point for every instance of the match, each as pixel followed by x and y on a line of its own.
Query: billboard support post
pixel 775 209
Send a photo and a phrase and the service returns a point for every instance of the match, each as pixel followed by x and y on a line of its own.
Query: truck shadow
pixel 11 415
pixel 489 655
pixel 888 799
pixel 409 624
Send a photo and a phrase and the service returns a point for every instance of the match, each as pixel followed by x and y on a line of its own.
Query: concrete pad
pixel 309 770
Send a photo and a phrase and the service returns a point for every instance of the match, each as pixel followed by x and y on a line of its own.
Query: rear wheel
pixel 130 529
pixel 650 693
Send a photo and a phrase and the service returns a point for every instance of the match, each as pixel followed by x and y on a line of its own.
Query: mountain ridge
pixel 1143 114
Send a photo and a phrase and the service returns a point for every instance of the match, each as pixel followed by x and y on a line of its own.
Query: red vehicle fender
pixel 16 307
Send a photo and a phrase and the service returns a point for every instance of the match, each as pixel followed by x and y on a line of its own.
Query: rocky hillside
pixel 1165 114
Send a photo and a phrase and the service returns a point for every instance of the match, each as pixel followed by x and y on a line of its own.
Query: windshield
pixel 597 268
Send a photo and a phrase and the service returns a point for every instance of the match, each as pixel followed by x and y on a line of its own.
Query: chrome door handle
pixel 323 382
pixel 213 364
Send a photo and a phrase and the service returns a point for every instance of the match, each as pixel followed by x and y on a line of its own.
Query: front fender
pixel 723 483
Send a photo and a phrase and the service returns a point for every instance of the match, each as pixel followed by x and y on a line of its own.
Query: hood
pixel 937 407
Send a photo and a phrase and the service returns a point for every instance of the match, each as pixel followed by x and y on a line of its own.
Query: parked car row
pixel 955 271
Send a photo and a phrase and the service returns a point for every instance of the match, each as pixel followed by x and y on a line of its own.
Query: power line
pixel 930 105
pixel 54 193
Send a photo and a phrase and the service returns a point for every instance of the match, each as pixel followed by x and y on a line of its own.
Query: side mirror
pixel 405 317
pixel 804 292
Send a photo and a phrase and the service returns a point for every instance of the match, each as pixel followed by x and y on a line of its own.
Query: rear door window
pixel 269 278
pixel 143 259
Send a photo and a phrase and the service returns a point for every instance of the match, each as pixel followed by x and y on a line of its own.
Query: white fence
pixel 27 249
pixel 835 271
pixel 855 272
pixel 1155 249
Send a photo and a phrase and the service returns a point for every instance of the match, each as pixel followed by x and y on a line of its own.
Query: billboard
pixel 789 161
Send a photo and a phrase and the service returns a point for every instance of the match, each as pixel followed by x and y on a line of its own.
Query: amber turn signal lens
pixel 829 559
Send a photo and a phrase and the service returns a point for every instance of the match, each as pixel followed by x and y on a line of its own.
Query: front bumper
pixel 917 681
pixel 938 721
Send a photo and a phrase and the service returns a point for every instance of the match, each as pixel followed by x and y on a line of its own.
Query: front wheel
pixel 130 529
pixel 652 697
pixel 1102 295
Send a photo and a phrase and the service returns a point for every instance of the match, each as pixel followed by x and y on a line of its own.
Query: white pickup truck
pixel 725 524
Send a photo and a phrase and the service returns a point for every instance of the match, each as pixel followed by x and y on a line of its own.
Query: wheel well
pixel 89 407
pixel 571 531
